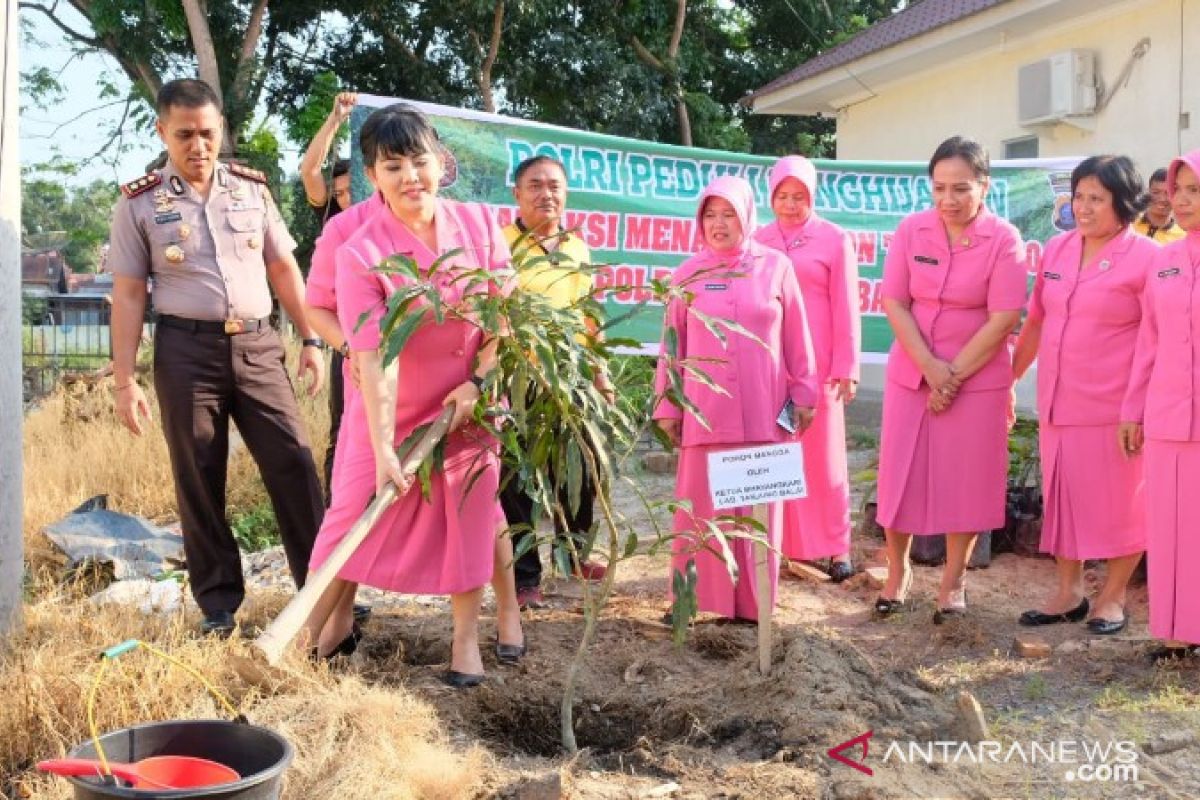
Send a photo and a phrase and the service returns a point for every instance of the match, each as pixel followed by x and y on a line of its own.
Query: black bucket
pixel 259 755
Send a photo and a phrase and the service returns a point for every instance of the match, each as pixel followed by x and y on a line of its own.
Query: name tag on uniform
pixel 1169 273
pixel 716 287
pixel 163 219
pixel 927 260
pixel 241 205
pixel 1052 276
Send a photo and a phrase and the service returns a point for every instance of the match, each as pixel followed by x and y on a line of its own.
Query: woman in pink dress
pixel 826 265
pixel 953 289
pixel 1082 328
pixel 1162 397
pixel 448 543
pixel 754 286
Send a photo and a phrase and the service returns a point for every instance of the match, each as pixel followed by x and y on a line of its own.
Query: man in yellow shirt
pixel 540 189
pixel 1156 222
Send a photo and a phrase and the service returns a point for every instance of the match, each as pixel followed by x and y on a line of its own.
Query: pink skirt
pixel 943 473
pixel 1173 528
pixel 715 592
pixel 1095 504
pixel 818 526
pixel 441 545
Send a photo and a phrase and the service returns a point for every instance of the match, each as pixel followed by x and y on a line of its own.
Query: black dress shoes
pixel 461 680
pixel 1077 614
pixel 840 571
pixel 510 654
pixel 219 624
pixel 1107 627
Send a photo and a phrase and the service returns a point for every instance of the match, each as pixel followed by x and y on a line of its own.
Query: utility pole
pixel 11 400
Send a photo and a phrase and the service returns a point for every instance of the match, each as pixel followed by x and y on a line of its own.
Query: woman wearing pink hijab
pixel 826 266
pixel 1162 410
pixel 734 278
pixel 953 289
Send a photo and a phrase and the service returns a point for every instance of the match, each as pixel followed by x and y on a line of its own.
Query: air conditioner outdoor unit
pixel 1058 87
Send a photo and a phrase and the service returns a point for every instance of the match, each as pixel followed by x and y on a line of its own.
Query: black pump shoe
pixel 510 654
pixel 1077 614
pixel 1107 627
pixel 840 571
pixel 346 647
pixel 885 606
pixel 461 680
pixel 944 615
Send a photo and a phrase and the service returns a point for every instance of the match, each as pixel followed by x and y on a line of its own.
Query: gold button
pixel 252 243
pixel 174 254
pixel 185 231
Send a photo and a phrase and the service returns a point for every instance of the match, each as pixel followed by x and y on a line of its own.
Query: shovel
pixel 157 772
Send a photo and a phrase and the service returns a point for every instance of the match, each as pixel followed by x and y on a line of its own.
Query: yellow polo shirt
pixel 1171 233
pixel 560 284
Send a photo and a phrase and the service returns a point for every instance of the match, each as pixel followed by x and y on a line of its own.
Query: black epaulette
pixel 142 184
pixel 246 172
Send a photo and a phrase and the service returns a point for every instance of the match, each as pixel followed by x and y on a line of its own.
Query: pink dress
pixel 443 544
pixel 823 257
pixel 1093 494
pixel 1162 392
pixel 945 473
pixel 320 291
pixel 766 300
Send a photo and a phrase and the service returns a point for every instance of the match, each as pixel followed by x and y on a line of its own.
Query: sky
pixel 64 128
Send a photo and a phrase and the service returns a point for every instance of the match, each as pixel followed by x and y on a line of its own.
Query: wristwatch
pixel 317 343
pixel 345 349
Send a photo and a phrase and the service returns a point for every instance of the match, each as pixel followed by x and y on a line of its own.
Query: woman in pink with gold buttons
pixel 1162 396
pixel 953 289
pixel 447 542
pixel 733 278
pixel 1082 328
pixel 823 256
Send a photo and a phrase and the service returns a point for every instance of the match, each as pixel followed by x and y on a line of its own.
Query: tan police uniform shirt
pixel 206 259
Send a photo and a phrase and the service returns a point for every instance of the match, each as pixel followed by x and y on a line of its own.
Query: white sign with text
pixel 752 475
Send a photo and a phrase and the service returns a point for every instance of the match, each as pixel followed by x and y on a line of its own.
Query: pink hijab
pixel 797 167
pixel 1191 159
pixel 739 194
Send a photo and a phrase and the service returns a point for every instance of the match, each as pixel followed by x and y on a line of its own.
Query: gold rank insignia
pixel 185 231
pixel 163 202
pixel 142 184
pixel 174 254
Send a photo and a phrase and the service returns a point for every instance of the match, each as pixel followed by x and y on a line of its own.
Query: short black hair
pixel 395 131
pixel 969 150
pixel 1119 177
pixel 187 93
pixel 1159 175
pixel 532 162
pixel 341 167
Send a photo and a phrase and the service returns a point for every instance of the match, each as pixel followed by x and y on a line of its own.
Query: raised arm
pixel 311 174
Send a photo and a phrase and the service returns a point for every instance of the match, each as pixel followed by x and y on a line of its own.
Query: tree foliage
pixel 73 219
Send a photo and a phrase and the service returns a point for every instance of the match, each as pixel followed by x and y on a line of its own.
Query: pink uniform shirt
pixel 765 299
pixel 321 286
pixel 1166 367
pixel 826 266
pixel 951 288
pixel 1090 320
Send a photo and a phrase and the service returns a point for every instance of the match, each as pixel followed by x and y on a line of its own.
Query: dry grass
pixel 351 739
pixel 74 448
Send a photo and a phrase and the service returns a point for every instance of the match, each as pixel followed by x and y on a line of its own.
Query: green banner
pixel 634 202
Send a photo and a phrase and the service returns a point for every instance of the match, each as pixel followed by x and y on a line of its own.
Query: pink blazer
pixel 320 289
pixel 952 289
pixel 1089 326
pixel 1166 367
pixel 826 266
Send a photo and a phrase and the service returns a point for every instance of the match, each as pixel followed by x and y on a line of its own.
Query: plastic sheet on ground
pixel 135 547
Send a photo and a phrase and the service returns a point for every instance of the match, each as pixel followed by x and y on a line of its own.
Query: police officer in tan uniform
pixel 208 238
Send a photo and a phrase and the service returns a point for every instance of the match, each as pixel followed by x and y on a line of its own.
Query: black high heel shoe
pixel 346 647
pixel 957 608
pixel 510 654
pixel 885 606
pixel 1077 614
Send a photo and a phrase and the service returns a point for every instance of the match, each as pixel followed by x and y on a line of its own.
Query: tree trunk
pixel 669 67
pixel 11 401
pixel 206 59
pixel 489 61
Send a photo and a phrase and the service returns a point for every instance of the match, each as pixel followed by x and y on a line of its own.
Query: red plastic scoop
pixel 157 772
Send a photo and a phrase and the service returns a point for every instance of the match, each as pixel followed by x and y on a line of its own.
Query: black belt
pixel 229 327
